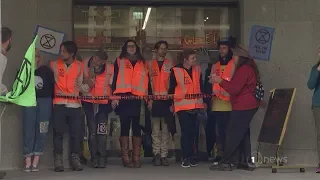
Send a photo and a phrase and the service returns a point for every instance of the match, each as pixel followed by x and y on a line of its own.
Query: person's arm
pixel 313 79
pixel 115 76
pixel 3 65
pixel 238 81
pixel 172 83
pixel 83 88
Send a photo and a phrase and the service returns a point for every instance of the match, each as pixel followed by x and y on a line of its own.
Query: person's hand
pixel 215 78
pixel 150 105
pixel 88 81
pixel 318 68
pixel 114 103
pixel 171 108
pixel 4 90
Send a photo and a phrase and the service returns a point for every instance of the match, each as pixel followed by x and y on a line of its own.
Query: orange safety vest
pixel 186 85
pixel 159 78
pixel 132 79
pixel 102 83
pixel 66 80
pixel 225 75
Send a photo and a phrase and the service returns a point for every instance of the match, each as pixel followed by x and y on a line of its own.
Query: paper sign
pixel 260 42
pixel 49 40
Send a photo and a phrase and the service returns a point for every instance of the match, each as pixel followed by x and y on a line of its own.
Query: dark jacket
pixel 313 84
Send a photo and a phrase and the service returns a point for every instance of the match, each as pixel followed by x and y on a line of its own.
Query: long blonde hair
pixel 38 58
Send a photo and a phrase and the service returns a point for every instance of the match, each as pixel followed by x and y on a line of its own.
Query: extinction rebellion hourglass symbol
pixel 23 78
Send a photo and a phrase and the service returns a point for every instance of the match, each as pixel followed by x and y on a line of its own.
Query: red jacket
pixel 242 89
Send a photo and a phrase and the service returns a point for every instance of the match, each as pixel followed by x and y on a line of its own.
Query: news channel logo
pixel 258 159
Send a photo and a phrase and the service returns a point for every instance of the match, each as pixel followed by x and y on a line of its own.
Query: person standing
pixel 313 84
pixel 36 119
pixel 186 78
pixel 210 128
pixel 130 78
pixel 242 90
pixel 68 74
pixel 221 106
pixel 100 72
pixel 159 73
pixel 6 38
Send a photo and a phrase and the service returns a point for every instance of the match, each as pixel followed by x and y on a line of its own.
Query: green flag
pixel 23 92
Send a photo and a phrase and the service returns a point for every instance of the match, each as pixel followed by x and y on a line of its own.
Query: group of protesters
pixel 231 82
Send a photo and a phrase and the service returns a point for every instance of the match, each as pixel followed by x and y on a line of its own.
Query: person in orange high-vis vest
pixel 101 74
pixel 221 106
pixel 130 78
pixel 185 79
pixel 68 74
pixel 159 73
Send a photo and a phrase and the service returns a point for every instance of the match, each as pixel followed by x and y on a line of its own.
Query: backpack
pixel 259 91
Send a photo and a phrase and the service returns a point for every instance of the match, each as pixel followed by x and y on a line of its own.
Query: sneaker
pixel 185 163
pixel 27 169
pixel 193 162
pixel 157 160
pixel 318 169
pixel 164 161
pixel 102 162
pixel 35 168
pixel 95 162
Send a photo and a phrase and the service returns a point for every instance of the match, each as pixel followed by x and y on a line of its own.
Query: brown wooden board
pixel 275 120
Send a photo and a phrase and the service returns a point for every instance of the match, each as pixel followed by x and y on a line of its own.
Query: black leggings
pixel 125 125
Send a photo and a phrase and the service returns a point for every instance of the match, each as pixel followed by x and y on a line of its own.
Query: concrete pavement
pixel 173 172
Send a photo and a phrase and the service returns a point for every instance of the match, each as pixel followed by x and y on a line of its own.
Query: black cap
pixel 230 41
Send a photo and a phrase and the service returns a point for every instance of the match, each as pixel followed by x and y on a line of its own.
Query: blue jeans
pixel 35 126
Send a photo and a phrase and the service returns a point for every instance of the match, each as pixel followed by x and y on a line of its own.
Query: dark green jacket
pixel 313 84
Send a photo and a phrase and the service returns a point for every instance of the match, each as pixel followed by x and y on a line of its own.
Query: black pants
pixel 238 136
pixel 221 119
pixel 97 126
pixel 126 123
pixel 63 115
pixel 210 132
pixel 189 133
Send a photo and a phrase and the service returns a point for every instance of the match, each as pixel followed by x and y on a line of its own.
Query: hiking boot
pixel 2 174
pixel 58 163
pixel 75 162
pixel 124 145
pixel 157 160
pixel 102 162
pixel 94 162
pixel 136 147
pixel 164 161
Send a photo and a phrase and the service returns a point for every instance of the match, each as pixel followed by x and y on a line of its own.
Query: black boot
pixel 58 163
pixel 75 162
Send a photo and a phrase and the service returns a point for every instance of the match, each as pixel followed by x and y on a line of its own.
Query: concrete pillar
pixel 224 23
